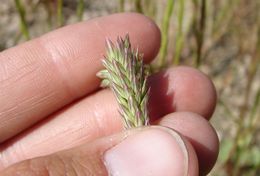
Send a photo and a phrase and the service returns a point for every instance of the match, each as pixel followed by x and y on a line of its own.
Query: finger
pixel 200 134
pixel 43 75
pixel 182 89
pixel 129 153
pixel 97 115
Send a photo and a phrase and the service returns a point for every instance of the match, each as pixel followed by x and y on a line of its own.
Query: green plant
pixel 80 9
pixel 138 6
pixel 165 29
pixel 179 40
pixel 199 28
pixel 60 12
pixel 126 75
pixel 121 6
pixel 23 24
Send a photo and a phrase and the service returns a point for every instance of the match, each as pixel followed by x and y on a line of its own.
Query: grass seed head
pixel 126 75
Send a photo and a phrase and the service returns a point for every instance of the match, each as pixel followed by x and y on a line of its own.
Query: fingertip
pixel 151 35
pixel 79 46
pixel 181 88
pixel 143 31
pixel 152 151
pixel 196 92
pixel 198 131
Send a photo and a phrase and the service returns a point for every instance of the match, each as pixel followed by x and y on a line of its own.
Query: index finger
pixel 41 76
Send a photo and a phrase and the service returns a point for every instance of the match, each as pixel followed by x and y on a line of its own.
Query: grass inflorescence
pixel 126 75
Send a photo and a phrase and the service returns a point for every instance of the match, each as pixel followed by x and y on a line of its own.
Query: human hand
pixel 51 106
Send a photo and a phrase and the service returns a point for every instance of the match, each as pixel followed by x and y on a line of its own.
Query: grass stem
pixel 121 6
pixel 165 32
pixel 60 12
pixel 200 33
pixel 80 9
pixel 138 6
pixel 179 40
pixel 22 15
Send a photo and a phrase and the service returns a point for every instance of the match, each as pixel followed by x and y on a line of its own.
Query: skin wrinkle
pixel 83 123
pixel 49 141
pixel 94 110
pixel 7 111
pixel 36 101
pixel 68 130
pixel 15 65
pixel 20 150
pixel 98 119
pixel 65 132
pixel 7 80
pixel 4 74
pixel 25 75
pixel 58 60
pixel 22 76
pixel 77 162
pixel 71 169
pixel 98 116
pixel 102 122
pixel 8 67
pixel 94 124
pixel 64 65
pixel 58 161
pixel 81 134
pixel 100 29
pixel 44 172
pixel 76 165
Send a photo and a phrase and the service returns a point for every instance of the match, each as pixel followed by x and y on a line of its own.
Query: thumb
pixel 152 151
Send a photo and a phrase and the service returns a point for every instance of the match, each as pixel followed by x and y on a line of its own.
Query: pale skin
pixel 51 105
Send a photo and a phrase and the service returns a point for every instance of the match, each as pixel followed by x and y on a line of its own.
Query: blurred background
pixel 219 37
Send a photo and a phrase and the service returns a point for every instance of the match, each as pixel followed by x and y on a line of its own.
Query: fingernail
pixel 153 151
